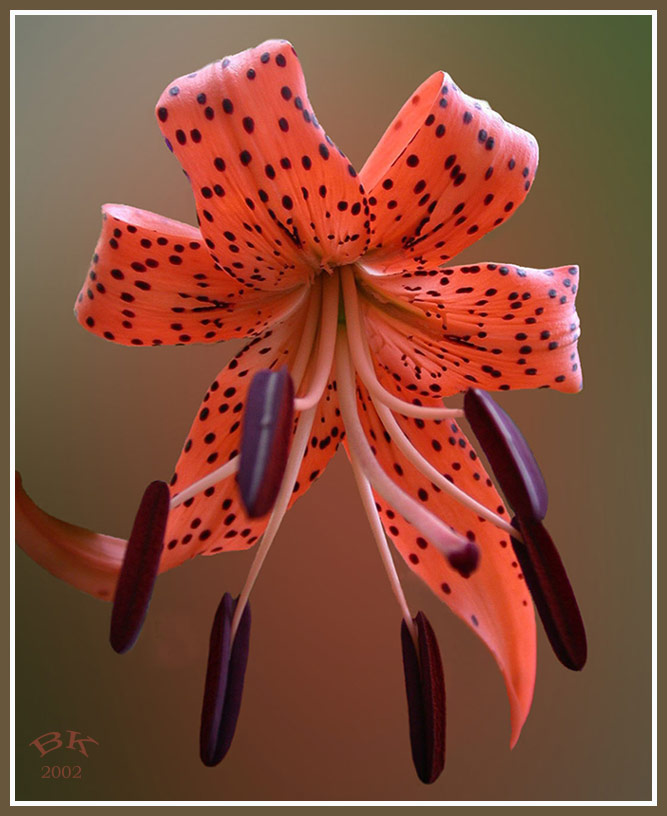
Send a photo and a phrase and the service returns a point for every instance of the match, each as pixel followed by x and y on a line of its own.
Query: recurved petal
pixel 152 281
pixel 275 197
pixel 492 326
pixel 447 170
pixel 494 601
pixel 215 520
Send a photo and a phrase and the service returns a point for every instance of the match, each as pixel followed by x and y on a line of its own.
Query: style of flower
pixel 360 327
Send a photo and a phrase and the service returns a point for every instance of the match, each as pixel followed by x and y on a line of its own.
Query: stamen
pixel 326 345
pixel 299 444
pixel 224 682
pixel 365 368
pixel 265 439
pixel 298 370
pixel 368 502
pixel 552 592
pixel 303 353
pixel 425 689
pixel 422 464
pixel 215 476
pixel 508 452
pixel 451 544
pixel 140 567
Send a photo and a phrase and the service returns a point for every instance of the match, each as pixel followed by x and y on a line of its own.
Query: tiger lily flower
pixel 344 282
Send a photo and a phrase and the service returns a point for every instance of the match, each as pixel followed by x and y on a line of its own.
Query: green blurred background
pixel 323 714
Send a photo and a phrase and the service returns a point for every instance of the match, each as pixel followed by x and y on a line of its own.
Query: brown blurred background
pixel 324 715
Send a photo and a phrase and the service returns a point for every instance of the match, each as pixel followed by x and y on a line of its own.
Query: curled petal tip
pixel 508 452
pixel 425 690
pixel 223 689
pixel 552 593
pixel 88 561
pixel 265 439
pixel 140 567
pixel 465 560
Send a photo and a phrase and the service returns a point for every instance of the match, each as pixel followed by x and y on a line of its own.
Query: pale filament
pixel 299 445
pixel 364 366
pixel 431 527
pixel 325 347
pixel 368 501
pixel 302 356
pixel 422 464
pixel 212 478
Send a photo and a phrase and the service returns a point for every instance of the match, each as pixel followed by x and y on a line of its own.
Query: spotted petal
pixel 494 601
pixel 152 281
pixel 447 170
pixel 215 520
pixel 493 326
pixel 274 196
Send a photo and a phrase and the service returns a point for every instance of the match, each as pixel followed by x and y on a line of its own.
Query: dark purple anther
pixel 551 590
pixel 425 689
pixel 140 567
pixel 512 460
pixel 224 681
pixel 265 439
pixel 465 560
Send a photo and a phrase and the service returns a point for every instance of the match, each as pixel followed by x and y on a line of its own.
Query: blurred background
pixel 324 715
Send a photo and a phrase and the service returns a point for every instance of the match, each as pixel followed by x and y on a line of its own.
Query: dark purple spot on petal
pixel 465 560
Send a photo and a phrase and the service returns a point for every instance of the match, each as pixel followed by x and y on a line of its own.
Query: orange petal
pixel 152 281
pixel 88 561
pixel 493 326
pixel 447 171
pixel 215 520
pixel 494 601
pixel 274 196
